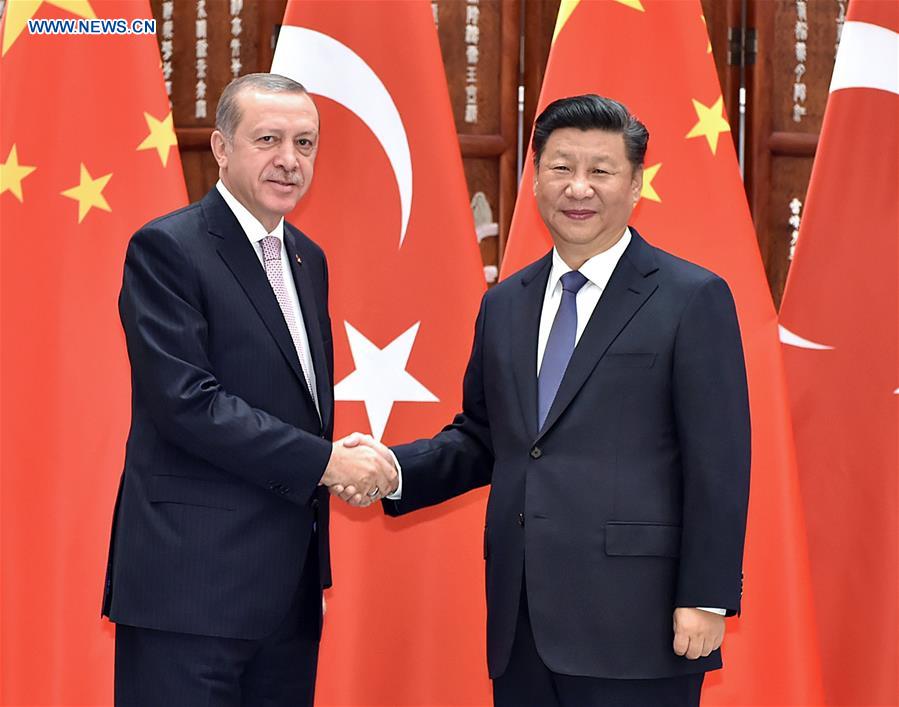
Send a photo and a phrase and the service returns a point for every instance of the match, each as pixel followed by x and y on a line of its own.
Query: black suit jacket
pixel 220 493
pixel 631 501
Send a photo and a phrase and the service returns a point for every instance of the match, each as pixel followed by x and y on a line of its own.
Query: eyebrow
pixel 568 155
pixel 264 130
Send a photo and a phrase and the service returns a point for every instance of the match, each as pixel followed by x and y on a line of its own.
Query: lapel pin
pixel 299 260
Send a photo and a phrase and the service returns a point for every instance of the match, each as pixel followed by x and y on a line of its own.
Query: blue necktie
pixel 559 346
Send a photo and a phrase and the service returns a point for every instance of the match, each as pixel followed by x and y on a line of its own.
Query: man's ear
pixel 637 184
pixel 219 144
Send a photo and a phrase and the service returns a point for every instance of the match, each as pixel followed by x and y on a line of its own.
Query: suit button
pixel 521 519
pixel 314 504
pixel 536 453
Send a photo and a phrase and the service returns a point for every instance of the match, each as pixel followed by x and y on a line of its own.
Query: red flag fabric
pixel 389 204
pixel 87 155
pixel 654 56
pixel 840 328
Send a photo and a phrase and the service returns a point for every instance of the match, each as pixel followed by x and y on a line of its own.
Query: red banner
pixel 87 155
pixel 389 205
pixel 840 328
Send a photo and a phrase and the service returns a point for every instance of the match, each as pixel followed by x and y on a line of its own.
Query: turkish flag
pixel 389 205
pixel 87 155
pixel 655 57
pixel 840 328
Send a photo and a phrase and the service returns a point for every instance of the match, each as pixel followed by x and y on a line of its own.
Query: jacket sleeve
pixel 162 312
pixel 460 457
pixel 711 408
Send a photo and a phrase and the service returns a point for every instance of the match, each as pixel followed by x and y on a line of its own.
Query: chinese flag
pixel 87 155
pixel 840 327
pixel 389 204
pixel 654 56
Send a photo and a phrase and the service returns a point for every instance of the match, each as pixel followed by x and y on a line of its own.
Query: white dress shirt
pixel 255 232
pixel 597 270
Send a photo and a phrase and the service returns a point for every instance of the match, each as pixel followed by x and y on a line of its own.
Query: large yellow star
pixel 161 137
pixel 18 12
pixel 566 7
pixel 648 175
pixel 12 173
pixel 711 122
pixel 89 193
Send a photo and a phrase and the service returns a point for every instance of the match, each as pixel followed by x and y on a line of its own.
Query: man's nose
pixel 286 157
pixel 579 187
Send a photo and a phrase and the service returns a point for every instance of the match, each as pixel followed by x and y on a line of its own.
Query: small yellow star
pixel 633 4
pixel 648 175
pixel 89 193
pixel 18 12
pixel 161 137
pixel 711 122
pixel 12 173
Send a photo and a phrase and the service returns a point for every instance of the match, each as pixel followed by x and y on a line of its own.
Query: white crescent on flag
pixel 791 339
pixel 868 58
pixel 331 69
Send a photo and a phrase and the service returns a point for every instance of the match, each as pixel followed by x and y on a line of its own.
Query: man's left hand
pixel 696 632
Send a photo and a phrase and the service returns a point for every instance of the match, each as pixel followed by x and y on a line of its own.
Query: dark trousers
pixel 527 682
pixel 154 668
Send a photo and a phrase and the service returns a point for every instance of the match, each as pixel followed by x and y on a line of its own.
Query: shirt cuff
pixel 398 494
pixel 720 612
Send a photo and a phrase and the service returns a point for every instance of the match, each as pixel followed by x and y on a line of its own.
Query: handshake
pixel 361 470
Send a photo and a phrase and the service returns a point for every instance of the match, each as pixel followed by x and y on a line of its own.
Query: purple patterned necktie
pixel 271 253
pixel 559 345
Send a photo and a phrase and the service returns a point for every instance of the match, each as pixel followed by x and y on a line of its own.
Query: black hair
pixel 592 112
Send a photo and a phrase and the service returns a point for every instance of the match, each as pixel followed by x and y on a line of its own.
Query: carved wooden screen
pixel 797 41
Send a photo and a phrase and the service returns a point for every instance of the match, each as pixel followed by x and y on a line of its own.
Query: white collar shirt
pixel 597 270
pixel 255 232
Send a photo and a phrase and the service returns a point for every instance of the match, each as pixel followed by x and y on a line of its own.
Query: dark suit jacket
pixel 632 499
pixel 220 488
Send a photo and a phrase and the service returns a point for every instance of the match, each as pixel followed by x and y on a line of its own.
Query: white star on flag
pixel 380 378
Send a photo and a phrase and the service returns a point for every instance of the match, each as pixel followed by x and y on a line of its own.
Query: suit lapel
pixel 628 289
pixel 525 325
pixel 309 306
pixel 237 252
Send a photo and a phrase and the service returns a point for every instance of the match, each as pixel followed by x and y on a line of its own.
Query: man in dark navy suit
pixel 605 403
pixel 219 547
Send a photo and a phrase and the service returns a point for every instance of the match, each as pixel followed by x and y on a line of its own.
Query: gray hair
pixel 228 115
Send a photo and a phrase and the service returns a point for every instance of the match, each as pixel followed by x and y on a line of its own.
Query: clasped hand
pixel 360 471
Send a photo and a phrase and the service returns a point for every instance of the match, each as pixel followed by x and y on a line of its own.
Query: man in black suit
pixel 219 547
pixel 605 403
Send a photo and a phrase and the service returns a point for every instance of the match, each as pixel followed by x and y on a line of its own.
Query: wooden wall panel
pixel 539 23
pixel 489 142
pixel 782 148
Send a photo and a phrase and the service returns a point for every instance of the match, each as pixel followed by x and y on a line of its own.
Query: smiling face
pixel 586 190
pixel 268 163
